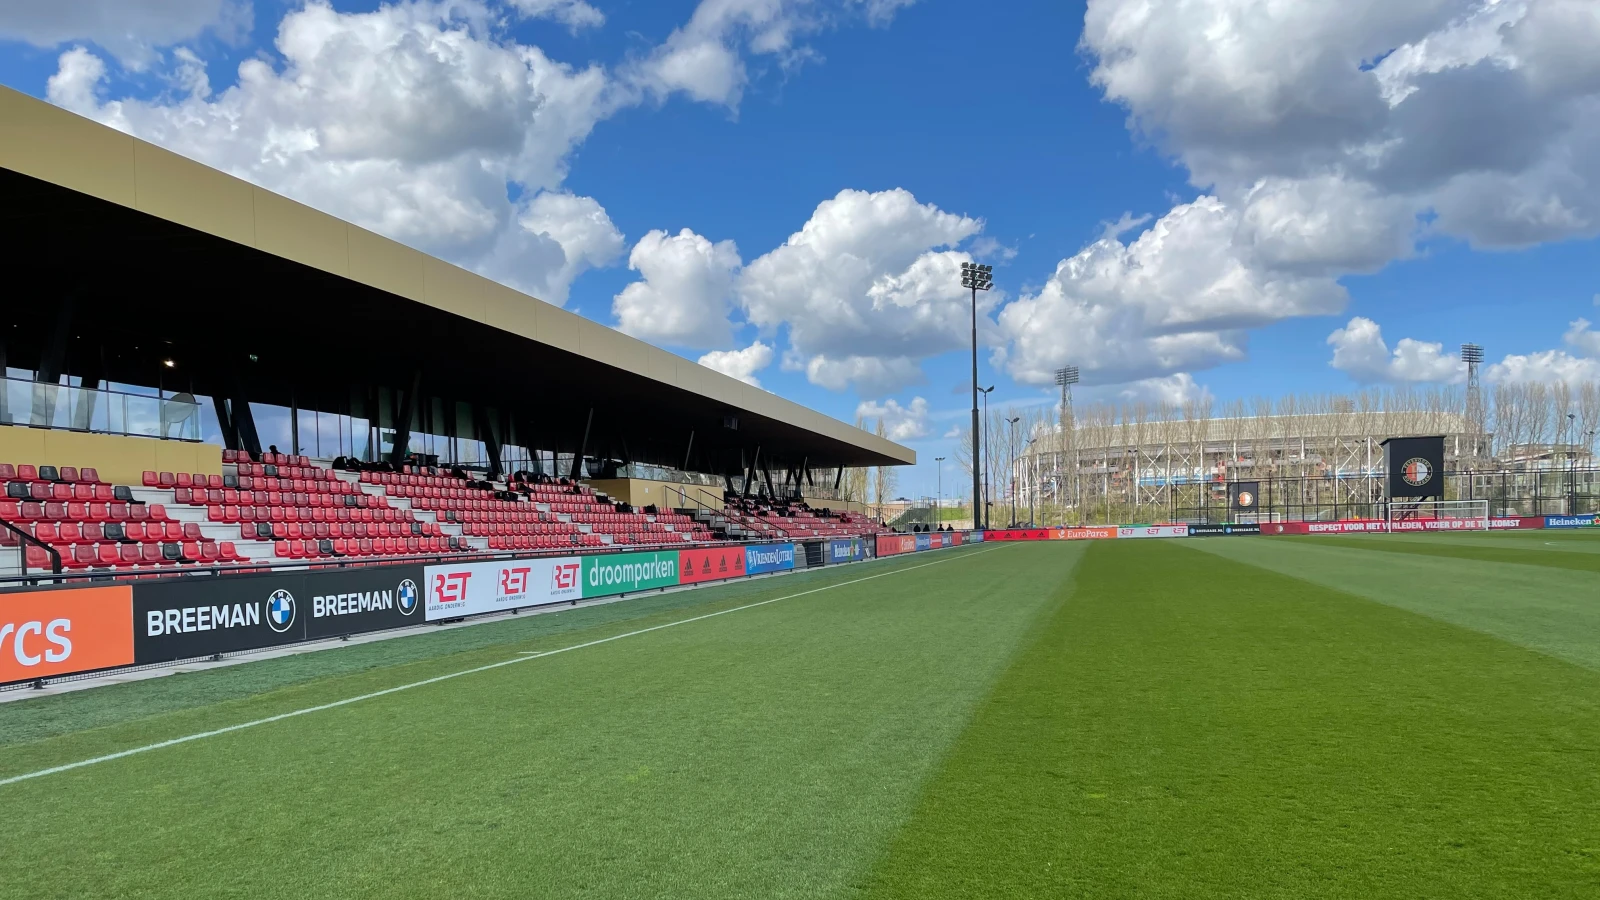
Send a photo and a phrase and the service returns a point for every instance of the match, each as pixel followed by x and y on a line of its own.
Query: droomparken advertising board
pixel 625 573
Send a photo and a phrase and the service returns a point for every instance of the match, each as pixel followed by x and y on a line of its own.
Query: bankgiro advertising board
pixel 846 551
pixel 768 558
pixel 191 617
pixel 469 589
pixel 624 573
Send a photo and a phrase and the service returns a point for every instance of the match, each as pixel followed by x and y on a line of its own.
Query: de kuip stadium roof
pixel 170 256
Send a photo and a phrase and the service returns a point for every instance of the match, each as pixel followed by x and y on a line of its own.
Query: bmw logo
pixel 407 597
pixel 280 611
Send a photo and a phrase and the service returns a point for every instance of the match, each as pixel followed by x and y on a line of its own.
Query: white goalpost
pixel 1436 515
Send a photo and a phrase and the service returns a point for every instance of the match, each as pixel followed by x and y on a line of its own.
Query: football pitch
pixel 1354 716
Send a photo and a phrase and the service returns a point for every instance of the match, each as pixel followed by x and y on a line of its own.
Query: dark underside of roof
pixel 117 291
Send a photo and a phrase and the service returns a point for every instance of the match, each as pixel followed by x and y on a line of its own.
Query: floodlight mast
pixel 976 278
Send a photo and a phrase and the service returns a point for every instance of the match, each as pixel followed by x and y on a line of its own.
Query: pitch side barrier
pixel 59 631
pixel 1251 529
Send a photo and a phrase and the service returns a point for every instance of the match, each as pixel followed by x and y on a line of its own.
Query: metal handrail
pixel 26 538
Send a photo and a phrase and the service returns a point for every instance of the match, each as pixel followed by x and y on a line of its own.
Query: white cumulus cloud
pixel 867 288
pixel 900 423
pixel 1360 352
pixel 704 59
pixel 1177 298
pixel 131 30
pixel 740 364
pixel 413 120
pixel 686 293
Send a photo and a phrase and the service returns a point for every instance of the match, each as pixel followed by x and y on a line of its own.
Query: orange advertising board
pixel 1088 534
pixel 48 633
pixel 695 566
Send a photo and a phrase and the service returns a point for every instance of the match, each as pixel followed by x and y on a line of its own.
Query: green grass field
pixel 1355 717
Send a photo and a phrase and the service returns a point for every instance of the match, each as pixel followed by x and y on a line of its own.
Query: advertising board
pixel 351 601
pixel 1152 531
pixel 1223 530
pixel 468 589
pixel 45 633
pixel 1375 526
pixel 189 617
pixel 896 544
pixel 768 558
pixel 1584 521
pixel 844 551
pixel 714 564
pixel 924 541
pixel 624 573
pixel 975 537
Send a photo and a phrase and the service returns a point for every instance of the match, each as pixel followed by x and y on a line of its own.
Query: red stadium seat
pixel 68 474
pixel 89 476
pixel 27 473
pixel 150 554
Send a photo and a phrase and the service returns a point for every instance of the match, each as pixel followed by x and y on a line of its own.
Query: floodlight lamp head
pixel 1471 353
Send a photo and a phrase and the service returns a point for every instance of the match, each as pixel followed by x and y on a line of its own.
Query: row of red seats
pixel 29 474
pixel 31 511
pixel 310 549
pixel 231 514
pixel 229 497
pixel 127 556
pixel 133 532
pixel 463 516
pixel 286 530
pixel 484 530
pixel 83 491
pixel 496 506
pixel 533 542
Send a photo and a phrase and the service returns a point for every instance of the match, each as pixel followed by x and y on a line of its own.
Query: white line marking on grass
pixel 525 657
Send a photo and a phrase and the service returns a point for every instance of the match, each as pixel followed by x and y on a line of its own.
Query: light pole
pixel 1066 377
pixel 1032 458
pixel 1572 465
pixel 987 480
pixel 1011 451
pixel 938 508
pixel 976 278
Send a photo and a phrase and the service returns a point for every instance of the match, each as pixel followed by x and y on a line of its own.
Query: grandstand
pixel 190 321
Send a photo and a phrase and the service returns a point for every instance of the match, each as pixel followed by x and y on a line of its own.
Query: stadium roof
pixel 173 258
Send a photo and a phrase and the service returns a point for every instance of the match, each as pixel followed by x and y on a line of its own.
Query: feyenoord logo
pixel 1417 471
pixel 406 597
pixel 280 611
pixel 1246 499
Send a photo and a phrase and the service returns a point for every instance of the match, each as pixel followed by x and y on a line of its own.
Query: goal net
pixel 1437 515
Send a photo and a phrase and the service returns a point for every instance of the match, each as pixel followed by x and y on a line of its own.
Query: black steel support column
pixel 577 458
pixel 402 428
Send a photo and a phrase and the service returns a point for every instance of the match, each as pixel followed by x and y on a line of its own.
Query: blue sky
pixel 1395 178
